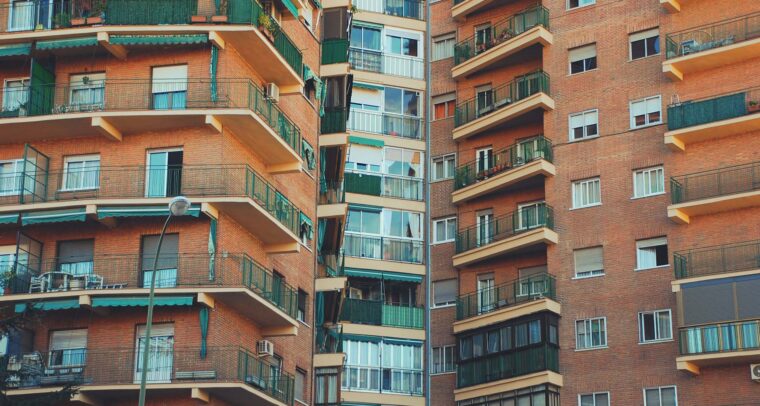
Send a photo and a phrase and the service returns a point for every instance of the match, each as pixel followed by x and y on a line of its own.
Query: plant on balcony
pixel 265 22
pixel 61 20
pixel 221 13
pixel 98 13
pixel 753 106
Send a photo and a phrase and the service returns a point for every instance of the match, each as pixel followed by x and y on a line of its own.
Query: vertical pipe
pixel 428 228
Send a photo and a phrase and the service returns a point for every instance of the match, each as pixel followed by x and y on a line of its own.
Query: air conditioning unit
pixel 273 92
pixel 265 348
pixel 754 370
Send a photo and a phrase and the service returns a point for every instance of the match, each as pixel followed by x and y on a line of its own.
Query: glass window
pixel 401 101
pixel 303 298
pixel 15 93
pixel 326 386
pixel 443 359
pixel 169 87
pixel 583 59
pixel 404 224
pixel 87 91
pixel 81 172
pixel 443 46
pixel 646 112
pixel 300 385
pixel 584 125
pixel 445 230
pixel 363 221
pixel 403 162
pixel 587 193
pixel 649 182
pixel 11 175
pixel 365 37
pixel 589 262
pixel 571 4
pixel 594 399
pixel 444 293
pixel 661 396
pixel 67 348
pixel 401 45
pixel 444 167
pixel 646 43
pixel 655 326
pixel 651 253
pixel 591 333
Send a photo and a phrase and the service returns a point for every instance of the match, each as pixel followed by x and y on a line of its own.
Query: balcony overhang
pixel 370 398
pixel 332 211
pixel 382 201
pixel 504 180
pixel 509 245
pixel 389 80
pixel 503 115
pixel 382 331
pixel 677 68
pixel 681 213
pixel 382 265
pixel 672 6
pixel 329 360
pixel 460 11
pixel 694 363
pixel 677 140
pixel 508 385
pixel 330 284
pixel 675 285
pixel 506 314
pixel 335 69
pixel 393 21
pixel 336 4
pixel 534 36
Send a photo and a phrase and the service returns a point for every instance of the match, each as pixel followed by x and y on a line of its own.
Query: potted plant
pixel 75 21
pixel 198 19
pixel 221 16
pixel 61 20
pixel 265 22
pixel 98 13
pixel 753 106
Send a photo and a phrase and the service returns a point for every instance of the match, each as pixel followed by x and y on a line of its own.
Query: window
pixel 76 257
pixel 483 222
pixel 584 125
pixel 444 167
pixel 483 100
pixel 401 42
pixel 401 101
pixel 582 59
pixel 326 388
pixel 67 348
pixel 662 396
pixel 15 93
pixel 591 333
pixel 649 182
pixel 587 193
pixel 403 162
pixel 364 158
pixel 87 91
pixel 166 266
pixel 11 174
pixel 445 230
pixel 363 221
pixel 443 359
pixel 655 326
pixel 303 298
pixel 444 293
pixel 571 4
pixel 589 262
pixel 594 399
pixel 645 43
pixel 299 391
pixel 160 352
pixel 646 112
pixel 443 46
pixel 365 37
pixel 651 253
pixel 533 281
pixel 81 172
pixel 444 106
pixel 163 172
pixel 169 87
pixel 404 224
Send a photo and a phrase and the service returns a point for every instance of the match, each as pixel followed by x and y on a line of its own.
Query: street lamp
pixel 178 206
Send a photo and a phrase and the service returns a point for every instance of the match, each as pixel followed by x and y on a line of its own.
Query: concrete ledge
pixel 677 140
pixel 541 235
pixel 503 115
pixel 506 385
pixel 507 313
pixel 371 398
pixel 677 68
pixel 681 213
pixel 504 180
pixel 329 360
pixel 383 331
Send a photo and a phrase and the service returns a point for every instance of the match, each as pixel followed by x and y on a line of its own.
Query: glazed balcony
pixel 390 124
pixel 115 108
pixel 506 38
pixel 397 187
pixel 113 23
pixel 413 9
pixel 509 168
pixel 383 248
pixel 712 118
pixel 232 374
pixel 387 63
pixel 505 235
pixel 730 343
pixel 717 261
pixel 527 361
pixel 334 51
pixel 377 313
pixel 714 191
pixel 503 105
pixel 710 46
pixel 100 281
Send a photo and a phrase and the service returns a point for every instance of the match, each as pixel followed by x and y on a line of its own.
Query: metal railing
pixel 331 192
pixel 394 125
pixel 382 380
pixel 334 51
pixel 506 295
pixel 514 156
pixel 706 37
pixel 334 121
pixel 492 100
pixel 387 63
pixel 398 187
pixel 711 109
pixel 743 256
pixel 385 248
pixel 506 226
pixel 128 271
pixel 508 365
pixel 720 338
pixel 400 8
pixel 717 182
pixel 329 339
pixel 331 265
pixel 500 32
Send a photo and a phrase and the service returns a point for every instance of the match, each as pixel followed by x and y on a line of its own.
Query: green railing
pixel 709 110
pixel 718 259
pixel 720 338
pixel 492 100
pixel 514 156
pixel 261 374
pixel 383 185
pixel 272 201
pixel 717 182
pixel 500 32
pixel 269 286
pixel 334 51
pixel 377 313
pixel 707 37
pixel 508 365
pixel 383 247
pixel 506 226
pixel 506 295
pixel 334 121
pixel 331 265
pixel 329 339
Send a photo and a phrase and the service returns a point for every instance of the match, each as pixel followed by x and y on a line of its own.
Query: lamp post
pixel 177 207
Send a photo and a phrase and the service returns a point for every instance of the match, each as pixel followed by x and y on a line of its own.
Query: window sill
pixel 304 323
pixel 644 197
pixel 669 340
pixel 434 307
pixel 643 57
pixel 641 127
pixel 571 141
pixel 581 73
pixel 442 242
pixel 651 268
pixel 78 189
pixel 299 402
pixel 443 373
pixel 576 278
pixel 579 7
pixel 592 349
pixel 585 207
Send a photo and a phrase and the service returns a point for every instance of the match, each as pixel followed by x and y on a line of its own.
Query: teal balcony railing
pixel 508 365
pixel 718 182
pixel 500 32
pixel 492 100
pixel 514 156
pixel 719 338
pixel 334 51
pixel 705 261
pixel 334 121
pixel 506 295
pixel 385 248
pixel 712 36
pixel 709 110
pixel 382 123
pixel 376 312
pixel 399 187
pixel 399 8
pixel 506 226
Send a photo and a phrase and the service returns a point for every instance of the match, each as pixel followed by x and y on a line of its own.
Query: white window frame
pixel 445 221
pixel 657 339
pixel 442 41
pixel 442 354
pixel 643 35
pixel 25 82
pixel 583 115
pixel 433 305
pixel 580 184
pixel 660 175
pixel 659 390
pixel 528 206
pixel 587 322
pixel 581 49
pixel 592 274
pixel 18 165
pixel 443 159
pixel 591 3
pixel 78 158
pixel 648 243
pixel 646 101
pixel 593 397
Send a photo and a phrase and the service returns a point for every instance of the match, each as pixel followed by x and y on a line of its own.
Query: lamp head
pixel 179 206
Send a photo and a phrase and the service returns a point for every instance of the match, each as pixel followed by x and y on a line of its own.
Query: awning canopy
pixel 291 7
pixel 388 276
pixel 352 139
pixel 159 39
pixel 67 43
pixel 356 337
pixel 142 211
pixel 141 301
pixel 50 305
pixel 53 216
pixel 368 86
pixel 9 218
pixel 15 49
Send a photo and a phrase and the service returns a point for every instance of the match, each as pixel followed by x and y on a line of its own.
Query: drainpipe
pixel 428 223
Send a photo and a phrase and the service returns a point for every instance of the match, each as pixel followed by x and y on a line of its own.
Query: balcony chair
pixel 38 284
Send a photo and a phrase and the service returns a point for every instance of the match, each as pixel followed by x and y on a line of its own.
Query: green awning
pixel 51 305
pixel 53 216
pixel 317 3
pixel 389 276
pixel 291 7
pixel 368 86
pixel 67 43
pixel 142 211
pixel 401 341
pixel 364 207
pixel 15 49
pixel 366 24
pixel 357 337
pixel 11 218
pixel 140 301
pixel 352 139
pixel 158 39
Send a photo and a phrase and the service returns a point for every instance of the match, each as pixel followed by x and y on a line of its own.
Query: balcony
pixel 331 275
pixel 711 46
pixel 113 23
pixel 329 351
pixel 232 374
pixel 413 9
pixel 115 108
pixel 712 118
pixel 672 6
pixel 332 200
pixel 716 262
pixel 386 63
pixel 383 248
pixel 504 39
pixel 396 187
pixel 101 281
pixel 512 167
pixel 718 344
pixel 518 231
pixel 377 313
pixel 714 191
pixel 526 97
pixel 499 367
pixel 334 122
pixel 334 51
pixel 390 124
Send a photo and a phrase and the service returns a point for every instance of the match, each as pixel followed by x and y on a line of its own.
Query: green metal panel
pixel 67 43
pixel 53 216
pixel 159 39
pixel 142 211
pixel 334 51
pixel 41 90
pixel 50 305
pixel 357 337
pixel 11 218
pixel 390 276
pixel 689 114
pixel 363 273
pixel 366 141
pixel 363 183
pixel 291 7
pixel 368 86
pixel 16 49
pixel 140 301
pixel 150 12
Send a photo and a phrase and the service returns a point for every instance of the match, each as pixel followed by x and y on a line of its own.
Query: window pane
pixel 652 397
pixel 668 396
pixel 638 49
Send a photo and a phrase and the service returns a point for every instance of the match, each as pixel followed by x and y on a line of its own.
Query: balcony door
pixel 483 100
pixel 68 349
pixel 168 260
pixel 531 282
pixel 160 353
pixel 486 293
pixel 11 174
pixel 484 160
pixel 15 94
pixel 164 173
pixel 529 215
pixel 76 257
pixel 528 150
pixel 27 15
pixel 7 262
pixel 484 223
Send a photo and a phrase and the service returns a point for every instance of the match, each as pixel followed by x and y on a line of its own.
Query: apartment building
pixel 110 109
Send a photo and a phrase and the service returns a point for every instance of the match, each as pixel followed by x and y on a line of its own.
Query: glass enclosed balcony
pixel 383 247
pixel 508 365
pixel 387 63
pixel 378 313
pixel 397 187
pixel 400 8
pixel 382 123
